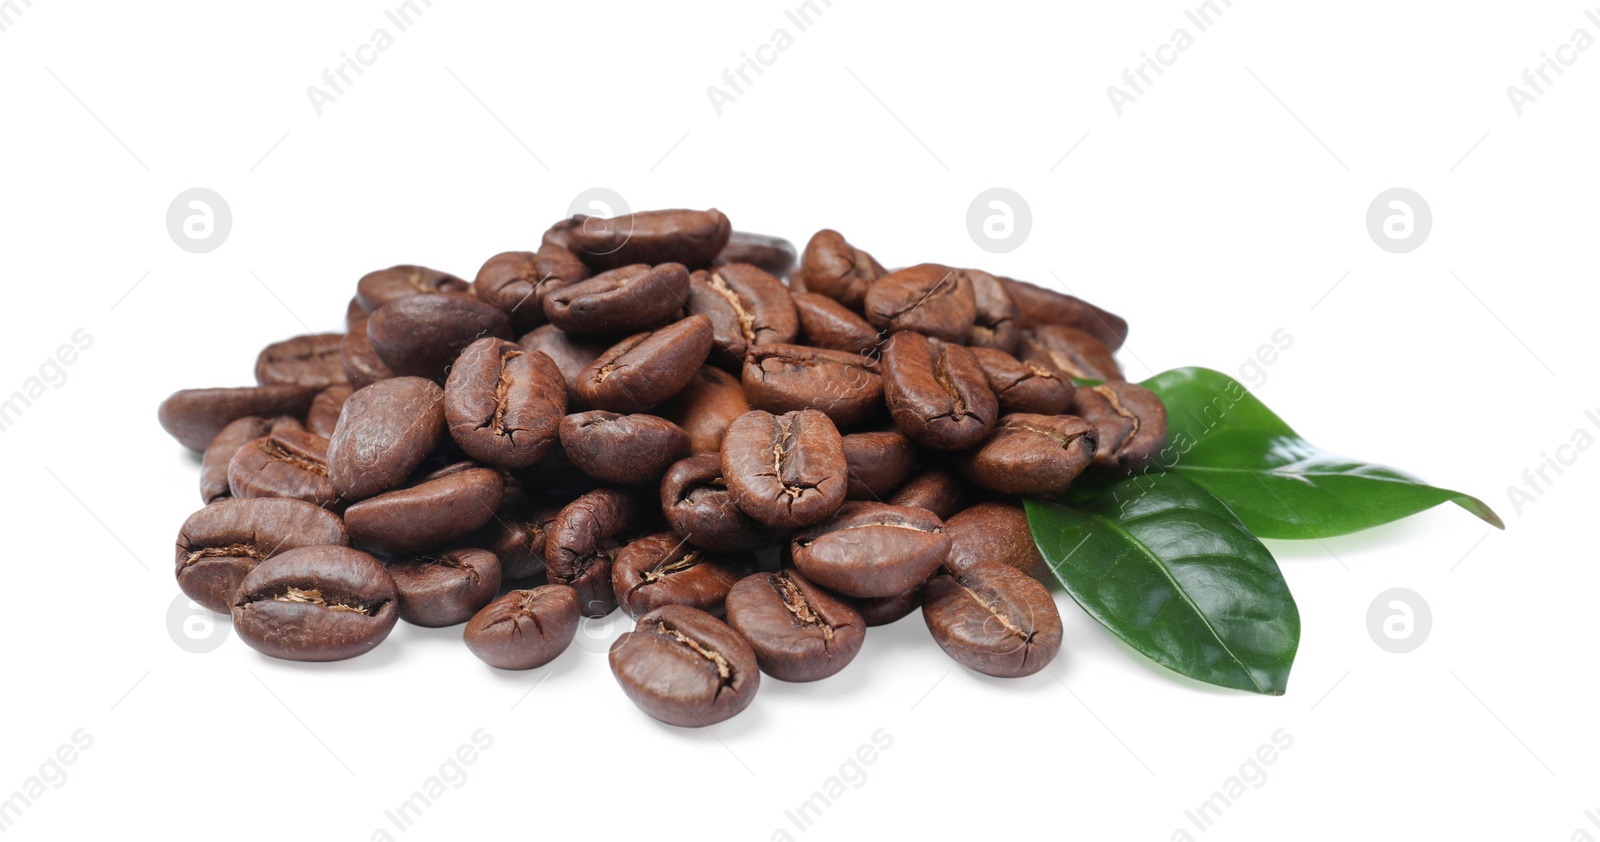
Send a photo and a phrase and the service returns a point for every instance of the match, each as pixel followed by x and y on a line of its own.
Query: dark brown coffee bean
pixel 994 619
pixel 220 544
pixel 698 506
pixel 787 378
pixel 214 465
pixel 560 234
pixel 930 299
pixel 871 549
pixel 503 404
pixel 442 505
pixel 583 544
pixel 622 449
pixel 357 352
pixel 195 416
pixel 447 588
pixel 771 254
pixel 705 407
pixel 1038 306
pixel 937 392
pixel 938 491
pixel 995 325
pixel 799 632
pixel 889 609
pixel 878 463
pixel 1131 420
pixel 993 532
pixel 376 289
pixel 316 604
pixel 1032 455
pixel 685 667
pixel 832 267
pixel 516 534
pixel 311 360
pixel 648 368
pixel 524 629
pixel 1024 387
pixel 421 336
pixel 663 569
pixel 323 416
pixel 747 307
pixel 571 354
pixel 353 312
pixel 293 463
pixel 825 323
pixel 1074 353
pixel 690 237
pixel 517 282
pixel 785 470
pixel 621 301
pixel 383 434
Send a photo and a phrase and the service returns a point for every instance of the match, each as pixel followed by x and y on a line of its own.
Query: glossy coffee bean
pixel 690 237
pixel 354 312
pixel 648 368
pixel 316 604
pixel 877 462
pixel 883 610
pixel 524 629
pixel 383 434
pixel 443 589
pixel 503 403
pixel 582 545
pixel 664 569
pixel 825 323
pixel 1032 455
pixel 787 378
pixel 698 506
pixel 1074 353
pixel 928 298
pixel 994 619
pixel 685 667
pixel 799 631
pixel 517 282
pixel 376 289
pixel 871 549
pixel 572 354
pixel 1131 421
pixel 785 470
pixel 705 407
pixel 773 255
pixel 1039 306
pixel 995 325
pixel 359 356
pixel 993 532
pixel 1024 387
pixel 220 544
pixel 937 392
pixel 323 416
pixel 621 301
pixel 832 267
pixel 214 465
pixel 747 307
pixel 516 534
pixel 195 416
pixel 421 336
pixel 293 464
pixel 442 505
pixel 938 491
pixel 310 360
pixel 622 449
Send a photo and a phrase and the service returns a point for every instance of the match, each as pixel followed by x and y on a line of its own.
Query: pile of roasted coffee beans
pixel 642 415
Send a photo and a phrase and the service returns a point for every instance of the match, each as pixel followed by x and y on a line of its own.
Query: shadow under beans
pixel 382 656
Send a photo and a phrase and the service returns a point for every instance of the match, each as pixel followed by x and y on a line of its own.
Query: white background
pixel 1226 203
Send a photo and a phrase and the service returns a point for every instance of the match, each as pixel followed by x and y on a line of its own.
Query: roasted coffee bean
pixel 705 407
pixel 938 491
pixel 871 549
pixel 442 505
pixel 214 465
pixel 994 619
pixel 995 325
pixel 1024 387
pixel 220 544
pixel 785 470
pixel 799 632
pixel 292 463
pixel 316 604
pixel 560 234
pixel 1038 306
pixel 582 545
pixel 622 449
pixel 698 506
pixel 311 360
pixel 571 354
pixel 878 463
pixel 358 354
pixel 648 368
pixel 1032 455
pixel 787 378
pixel 446 588
pixel 421 336
pixel 517 532
pixel 825 323
pixel 376 289
pixel 323 416
pixel 353 312
pixel 664 569
pixel 993 532
pixel 747 307
pixel 383 434
pixel 517 282
pixel 503 404
pixel 1131 420
pixel 690 237
pixel 832 267
pixel 937 392
pixel 524 629
pixel 1074 353
pixel 195 416
pixel 685 667
pixel 889 609
pixel 770 254
pixel 930 299
pixel 621 301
